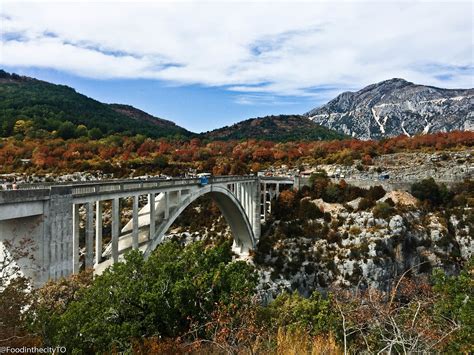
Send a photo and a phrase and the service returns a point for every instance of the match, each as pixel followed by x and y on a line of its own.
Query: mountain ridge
pixel 394 107
pixel 49 105
pixel 386 109
pixel 280 128
pixel 140 115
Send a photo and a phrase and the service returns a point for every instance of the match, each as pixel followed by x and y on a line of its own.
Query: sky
pixel 207 64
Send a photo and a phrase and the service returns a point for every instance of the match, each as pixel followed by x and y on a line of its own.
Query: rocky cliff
pixel 357 247
pixel 394 107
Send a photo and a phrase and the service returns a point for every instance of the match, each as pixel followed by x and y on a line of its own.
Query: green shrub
pixel 294 312
pixel 164 296
pixel 455 302
pixel 375 193
pixel 383 210
pixel 309 210
pixel 365 204
pixel 67 130
pixel 428 190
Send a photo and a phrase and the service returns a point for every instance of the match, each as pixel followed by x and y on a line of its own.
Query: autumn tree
pixel 22 127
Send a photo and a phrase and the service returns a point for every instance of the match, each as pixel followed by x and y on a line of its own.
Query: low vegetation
pixel 197 299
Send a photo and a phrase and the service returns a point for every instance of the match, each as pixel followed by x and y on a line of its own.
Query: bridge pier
pixel 115 229
pixel 75 239
pixel 89 257
pixel 152 203
pixel 98 232
pixel 167 205
pixel 135 222
pixel 264 201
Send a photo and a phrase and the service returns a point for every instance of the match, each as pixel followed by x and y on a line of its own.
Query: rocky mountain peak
pixel 396 106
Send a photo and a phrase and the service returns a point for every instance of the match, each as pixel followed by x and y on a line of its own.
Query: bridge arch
pixel 231 209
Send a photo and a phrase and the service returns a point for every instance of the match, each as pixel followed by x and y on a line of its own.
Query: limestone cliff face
pixel 357 249
pixel 394 107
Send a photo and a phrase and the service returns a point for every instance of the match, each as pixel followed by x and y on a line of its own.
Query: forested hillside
pixel 282 128
pixel 27 104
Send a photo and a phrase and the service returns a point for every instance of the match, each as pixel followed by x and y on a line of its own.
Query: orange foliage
pixel 54 154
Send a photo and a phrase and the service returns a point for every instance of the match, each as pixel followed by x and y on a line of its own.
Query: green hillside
pixel 46 106
pixel 282 128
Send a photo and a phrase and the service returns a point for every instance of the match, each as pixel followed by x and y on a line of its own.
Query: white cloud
pixel 274 48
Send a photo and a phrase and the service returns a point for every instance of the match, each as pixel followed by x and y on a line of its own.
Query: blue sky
pixel 209 64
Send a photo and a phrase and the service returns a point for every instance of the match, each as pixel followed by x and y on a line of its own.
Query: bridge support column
pixel 256 210
pixel 244 197
pixel 75 238
pixel 151 202
pixel 89 261
pixel 115 228
pixel 98 232
pixel 296 182
pixel 264 201
pixel 135 223
pixel 270 197
pixel 251 213
pixel 254 203
pixel 167 205
pixel 249 202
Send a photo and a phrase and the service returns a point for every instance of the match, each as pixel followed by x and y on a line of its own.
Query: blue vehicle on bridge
pixel 204 178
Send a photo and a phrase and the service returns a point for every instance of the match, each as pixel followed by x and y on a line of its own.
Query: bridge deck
pixel 82 189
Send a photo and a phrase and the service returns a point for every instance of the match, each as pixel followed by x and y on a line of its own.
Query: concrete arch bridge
pixel 50 217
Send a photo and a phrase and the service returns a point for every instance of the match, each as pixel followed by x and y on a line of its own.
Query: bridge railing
pixel 277 178
pixel 109 186
pixel 47 185
pixel 231 178
pixel 133 185
pixel 129 185
pixel 151 182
